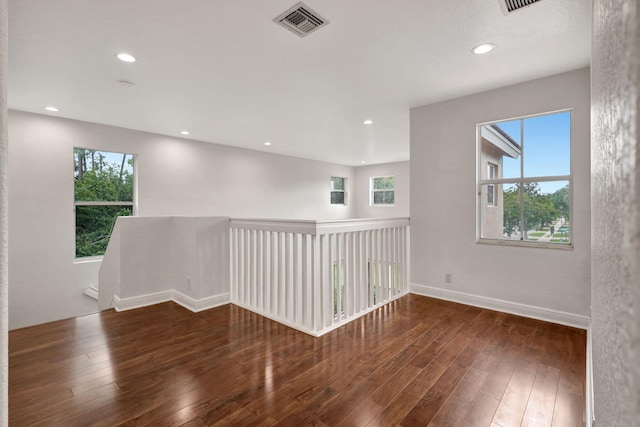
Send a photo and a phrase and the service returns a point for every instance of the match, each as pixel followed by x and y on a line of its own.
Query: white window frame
pixel 133 203
pixel 343 191
pixel 480 181
pixel 372 191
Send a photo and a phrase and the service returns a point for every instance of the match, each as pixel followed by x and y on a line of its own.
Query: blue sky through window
pixel 546 148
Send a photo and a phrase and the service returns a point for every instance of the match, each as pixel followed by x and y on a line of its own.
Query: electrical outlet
pixel 447 278
pixel 189 282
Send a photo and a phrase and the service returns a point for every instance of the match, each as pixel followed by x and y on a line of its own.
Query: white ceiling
pixel 226 72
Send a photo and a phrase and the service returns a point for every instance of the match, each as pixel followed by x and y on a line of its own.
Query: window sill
pixel 525 244
pixel 87 259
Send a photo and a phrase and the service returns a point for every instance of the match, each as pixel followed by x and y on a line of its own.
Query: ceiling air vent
pixel 509 6
pixel 301 20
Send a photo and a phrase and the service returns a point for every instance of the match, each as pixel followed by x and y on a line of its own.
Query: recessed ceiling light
pixel 483 48
pixel 267 143
pixel 51 108
pixel 185 132
pixel 363 162
pixel 125 57
pixel 368 122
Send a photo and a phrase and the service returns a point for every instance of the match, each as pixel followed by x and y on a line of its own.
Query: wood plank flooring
pixel 415 362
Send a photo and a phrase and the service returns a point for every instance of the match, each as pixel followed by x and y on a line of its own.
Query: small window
pixel 337 190
pixel 382 191
pixel 103 191
pixel 491 193
pixel 524 180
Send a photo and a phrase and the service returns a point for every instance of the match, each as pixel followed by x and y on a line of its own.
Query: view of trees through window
pixel 103 191
pixel 337 190
pixel 541 211
pixel 383 190
pixel 525 179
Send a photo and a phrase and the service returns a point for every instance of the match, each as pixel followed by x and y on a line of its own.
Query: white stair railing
pixel 318 275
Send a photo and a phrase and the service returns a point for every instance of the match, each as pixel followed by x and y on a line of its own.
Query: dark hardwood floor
pixel 416 362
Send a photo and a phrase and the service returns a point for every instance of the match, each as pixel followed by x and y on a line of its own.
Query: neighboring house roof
pixel 496 136
pixel 505 134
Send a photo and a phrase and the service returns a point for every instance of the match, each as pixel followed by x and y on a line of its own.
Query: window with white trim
pixel 103 191
pixel 524 180
pixel 337 190
pixel 491 188
pixel 382 191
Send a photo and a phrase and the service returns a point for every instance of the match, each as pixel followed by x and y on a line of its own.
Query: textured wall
pixel 616 212
pixel 4 218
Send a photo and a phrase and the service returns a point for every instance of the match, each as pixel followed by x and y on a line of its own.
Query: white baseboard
pixel 201 304
pixel 539 313
pixel 122 304
pixel 92 292
pixel 589 408
pixel 195 305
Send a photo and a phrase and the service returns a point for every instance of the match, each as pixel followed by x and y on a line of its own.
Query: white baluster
pixel 290 275
pixel 275 271
pixel 260 271
pixel 307 280
pixel 297 279
pixel 282 271
pixel 357 271
pixel 243 267
pixel 327 294
pixel 254 268
pixel 384 267
pixel 233 272
pixel 316 284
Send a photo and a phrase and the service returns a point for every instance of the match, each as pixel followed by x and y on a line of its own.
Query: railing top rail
pixel 315 227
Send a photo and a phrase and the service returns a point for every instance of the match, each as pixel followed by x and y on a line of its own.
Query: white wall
pixel 175 177
pixel 154 259
pixel 616 212
pixel 363 209
pixel 443 201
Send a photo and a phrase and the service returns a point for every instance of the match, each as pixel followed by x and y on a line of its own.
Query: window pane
pixel 490 195
pixel 389 197
pixel 384 183
pixel 546 211
pixel 491 216
pixel 337 198
pixel 492 171
pixel 547 145
pixel 501 147
pixel 93 227
pixel 510 211
pixel 386 197
pixel 337 183
pixel 103 176
pixel 378 197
